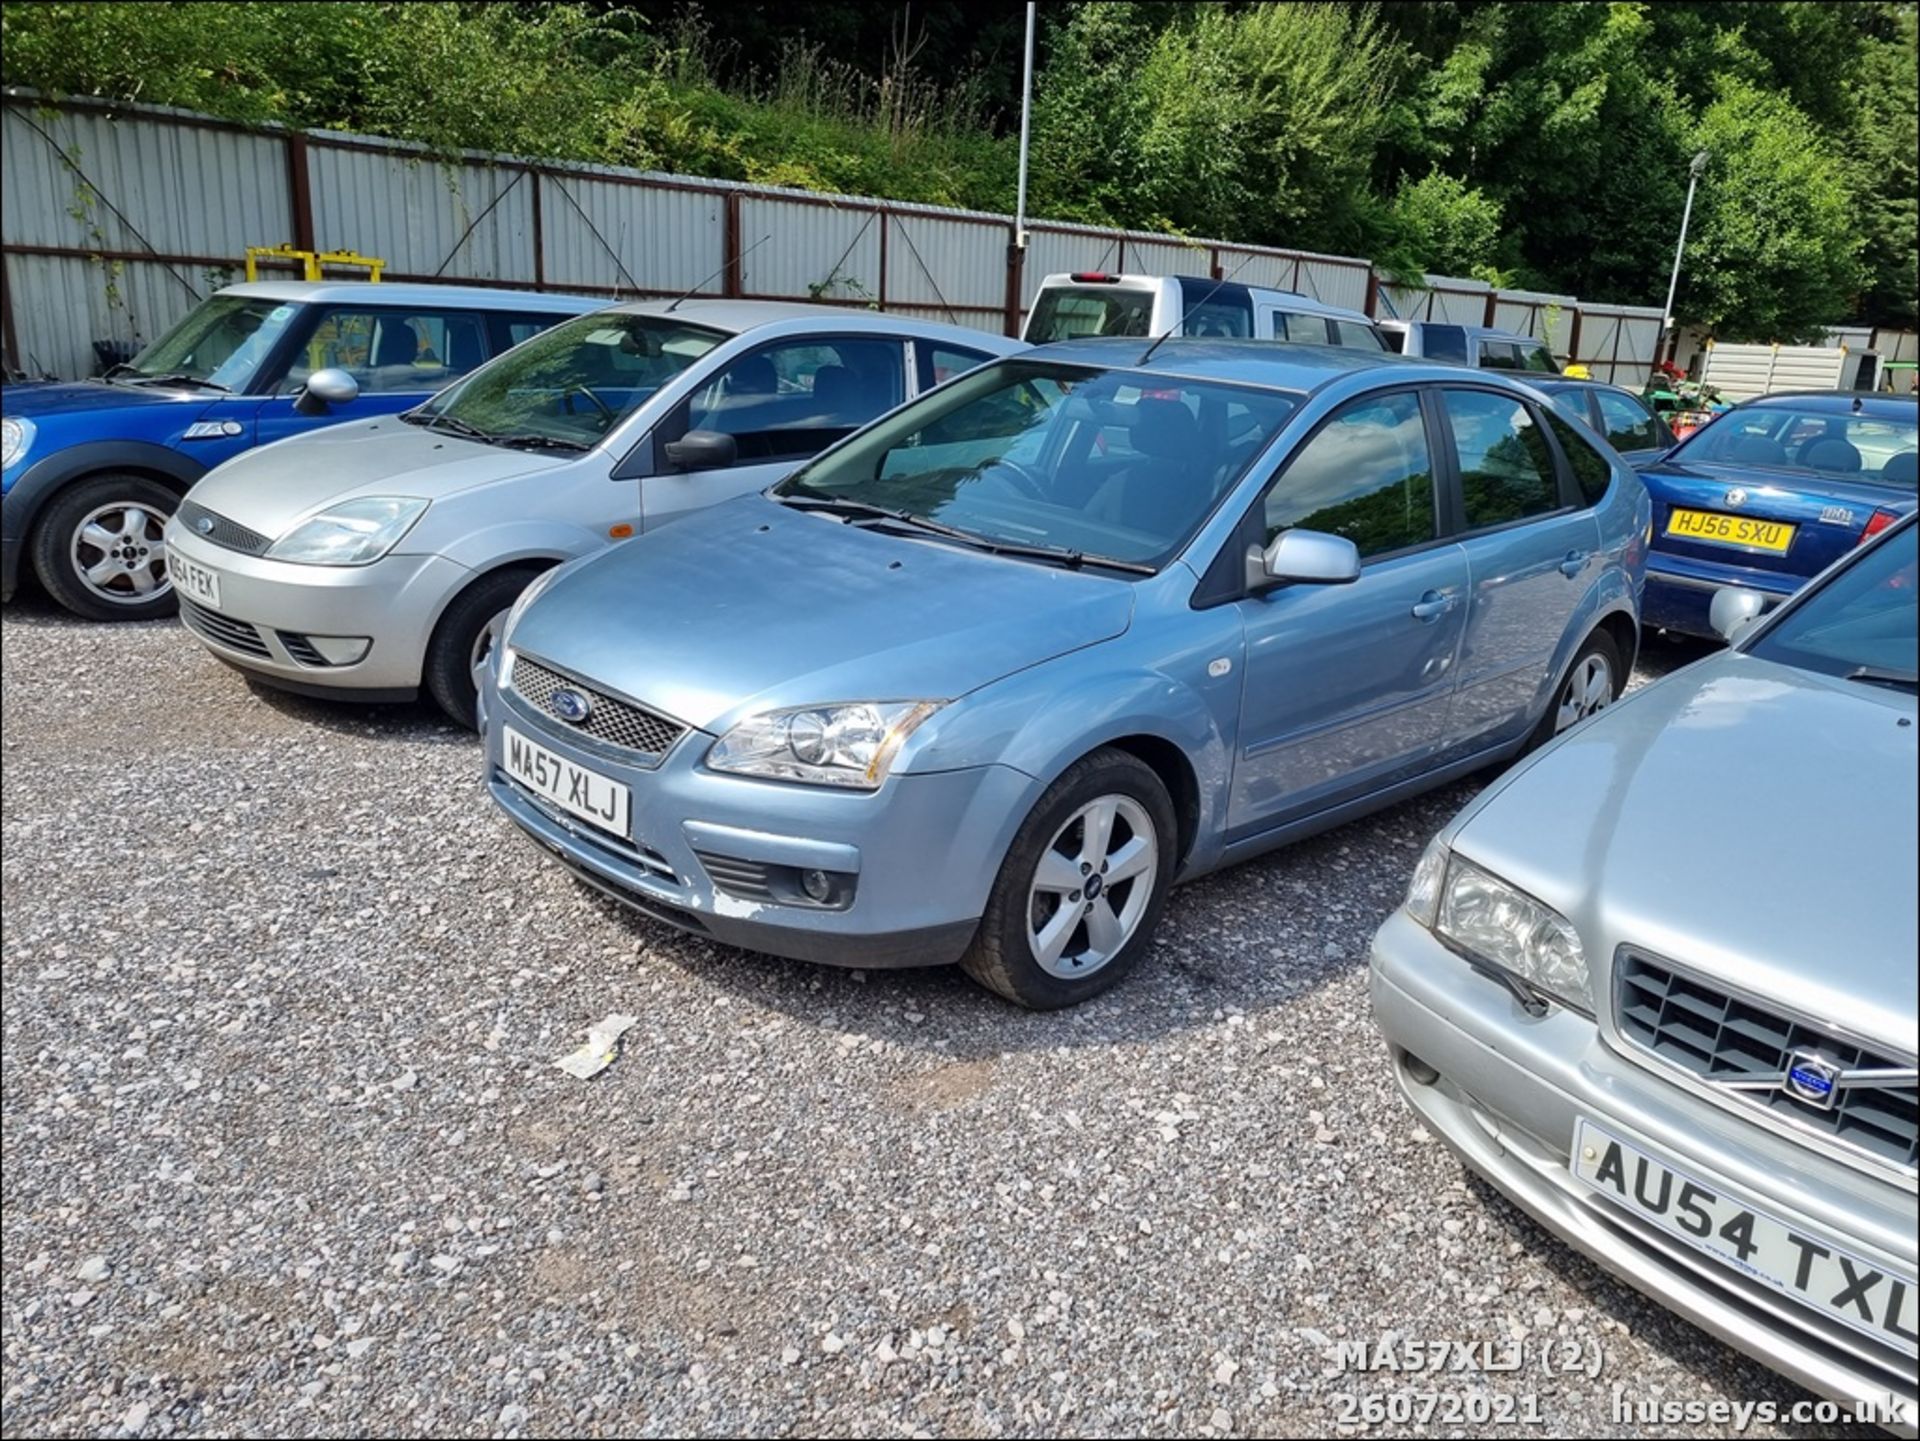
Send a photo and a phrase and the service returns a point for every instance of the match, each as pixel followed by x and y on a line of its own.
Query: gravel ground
pixel 285 1150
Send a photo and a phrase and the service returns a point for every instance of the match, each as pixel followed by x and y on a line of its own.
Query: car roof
pixel 459 297
pixel 740 316
pixel 1269 364
pixel 1306 304
pixel 1569 382
pixel 1837 402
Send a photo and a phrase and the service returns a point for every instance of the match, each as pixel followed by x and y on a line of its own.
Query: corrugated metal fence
pixel 116 220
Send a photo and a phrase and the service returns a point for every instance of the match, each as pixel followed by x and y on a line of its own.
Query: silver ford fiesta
pixel 1658 984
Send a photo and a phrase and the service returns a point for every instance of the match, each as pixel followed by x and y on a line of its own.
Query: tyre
pixel 98 549
pixel 1082 888
pixel 1592 683
pixel 463 641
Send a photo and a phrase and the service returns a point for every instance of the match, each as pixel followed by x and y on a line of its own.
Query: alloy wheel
pixel 120 554
pixel 1587 691
pixel 1092 886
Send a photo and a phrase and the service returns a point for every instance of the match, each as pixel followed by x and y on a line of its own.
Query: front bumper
pixel 918 856
pixel 268 607
pixel 1680 591
pixel 1509 1090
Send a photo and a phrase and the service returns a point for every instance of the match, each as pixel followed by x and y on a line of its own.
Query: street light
pixel 1698 164
pixel 1026 115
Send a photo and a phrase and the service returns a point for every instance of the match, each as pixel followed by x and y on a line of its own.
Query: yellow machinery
pixel 310 261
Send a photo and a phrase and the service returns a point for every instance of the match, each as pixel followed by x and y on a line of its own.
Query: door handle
pixel 1575 562
pixel 1432 605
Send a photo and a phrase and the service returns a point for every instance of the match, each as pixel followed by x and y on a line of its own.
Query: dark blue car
pixel 94 468
pixel 1771 493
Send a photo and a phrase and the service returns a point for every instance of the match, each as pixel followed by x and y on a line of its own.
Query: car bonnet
pixel 274 487
pixel 753 606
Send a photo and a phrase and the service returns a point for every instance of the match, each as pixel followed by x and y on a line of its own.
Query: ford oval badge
pixel 571 706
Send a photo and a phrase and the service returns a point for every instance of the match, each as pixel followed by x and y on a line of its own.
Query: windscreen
pixel 574 383
pixel 1113 464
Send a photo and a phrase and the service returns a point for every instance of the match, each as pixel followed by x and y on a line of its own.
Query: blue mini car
pixel 94 468
pixel 983 680
pixel 1771 493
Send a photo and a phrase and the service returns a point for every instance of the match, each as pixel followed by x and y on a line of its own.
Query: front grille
pixel 746 879
pixel 301 649
pixel 223 630
pixel 610 719
pixel 1720 1037
pixel 221 531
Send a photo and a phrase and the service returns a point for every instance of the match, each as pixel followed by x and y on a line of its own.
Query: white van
pixel 1093 302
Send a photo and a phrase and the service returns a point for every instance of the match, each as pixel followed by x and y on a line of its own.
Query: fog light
pixel 817 884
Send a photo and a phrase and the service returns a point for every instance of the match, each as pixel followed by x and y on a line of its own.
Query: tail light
pixel 1876 523
pixel 1094 277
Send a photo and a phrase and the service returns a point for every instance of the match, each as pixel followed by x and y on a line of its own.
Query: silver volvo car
pixel 372 560
pixel 1658 984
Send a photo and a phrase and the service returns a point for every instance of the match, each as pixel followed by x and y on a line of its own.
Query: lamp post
pixel 1694 169
pixel 1026 116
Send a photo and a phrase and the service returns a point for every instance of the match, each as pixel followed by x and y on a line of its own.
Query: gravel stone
pixel 281 997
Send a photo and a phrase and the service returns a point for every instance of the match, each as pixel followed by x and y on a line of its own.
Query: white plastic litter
pixel 603 1043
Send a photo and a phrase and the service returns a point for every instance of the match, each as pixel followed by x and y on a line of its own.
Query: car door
pixel 1532 548
pixel 782 403
pixel 399 355
pixel 1346 687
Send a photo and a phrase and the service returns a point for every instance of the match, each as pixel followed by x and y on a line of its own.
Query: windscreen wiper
pixel 1883 675
pixel 121 368
pixel 539 442
pixel 1058 554
pixel 182 378
pixel 451 423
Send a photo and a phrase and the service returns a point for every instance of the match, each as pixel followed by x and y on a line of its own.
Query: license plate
pixel 599 800
pixel 1736 530
pixel 194 580
pixel 1809 1269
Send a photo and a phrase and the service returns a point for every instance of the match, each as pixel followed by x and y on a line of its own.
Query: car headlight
pixel 16 435
pixel 1490 921
pixel 356 532
pixel 849 744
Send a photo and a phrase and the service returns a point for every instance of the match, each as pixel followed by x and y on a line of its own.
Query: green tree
pixel 1776 240
pixel 1452 227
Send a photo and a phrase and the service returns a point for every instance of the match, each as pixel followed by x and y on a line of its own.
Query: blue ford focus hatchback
pixel 982 681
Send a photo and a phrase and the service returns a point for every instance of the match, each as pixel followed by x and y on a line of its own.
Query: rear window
pixel 1444 342
pixel 1877 449
pixel 1538 357
pixel 1070 312
pixel 1498 355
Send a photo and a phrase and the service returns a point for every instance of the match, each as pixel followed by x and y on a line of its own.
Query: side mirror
pixel 1734 608
pixel 703 450
pixel 1304 557
pixel 325 389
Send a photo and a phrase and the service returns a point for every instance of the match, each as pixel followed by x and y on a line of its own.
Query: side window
pixel 525 327
pixel 1498 355
pixel 1538 357
pixel 1628 424
pixel 797 397
pixel 1592 471
pixel 1220 319
pixel 1366 474
pixel 1355 336
pixel 940 363
pixel 1443 342
pixel 1506 466
pixel 1572 402
pixel 392 350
